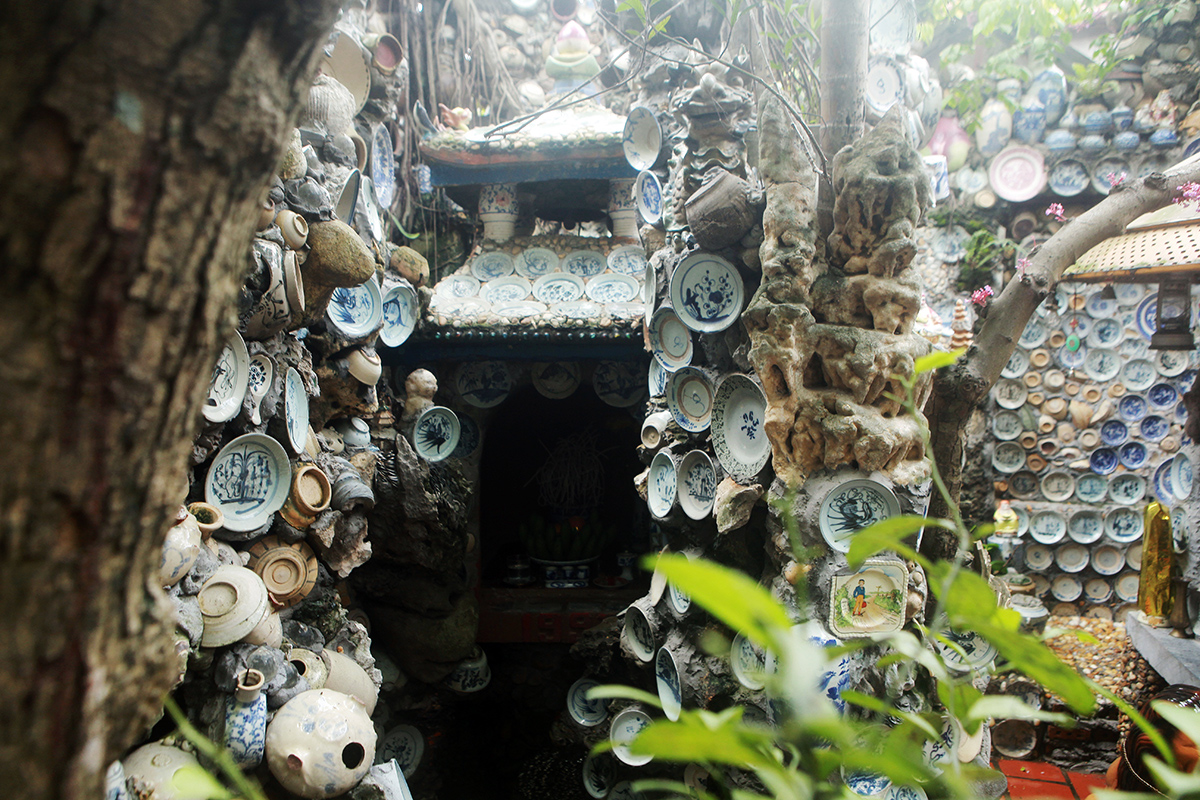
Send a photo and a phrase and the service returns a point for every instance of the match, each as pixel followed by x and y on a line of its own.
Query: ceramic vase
pixel 1029 125
pixel 720 212
pixel 995 128
pixel 181 549
pixel 246 720
pixel 498 210
pixel 320 744
pixel 622 209
pixel 1060 140
pixel 209 520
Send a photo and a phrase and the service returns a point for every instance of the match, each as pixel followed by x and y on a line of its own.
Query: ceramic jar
pixel 309 496
pixel 1060 140
pixel 151 771
pixel 266 215
pixel 1122 118
pixel 209 520
pixel 622 209
pixel 1164 139
pixel 1092 143
pixel 310 666
pixel 181 549
pixel 1048 91
pixel 1029 125
pixel 346 676
pixel 320 744
pixel 720 212
pixel 246 720
pixel 498 210
pixel 1127 140
pixel 995 128
pixel 472 673
pixel 294 228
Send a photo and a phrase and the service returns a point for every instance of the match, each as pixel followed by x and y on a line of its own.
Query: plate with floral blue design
pixel 1133 455
pixel 1172 363
pixel 706 292
pixel 1114 433
pixel 1154 428
pixel 534 262
pixel 1017 364
pixel 436 433
pixel 401 309
pixel 249 480
pixel 612 288
pixel 1091 488
pixel 738 436
pixel 1147 315
pixel 1104 460
pixel 1127 489
pixel 628 260
pixel 1162 396
pixel 1123 525
pixel 588 713
pixel 584 263
pixel 489 266
pixel 661 488
pixel 1106 332
pixel 1163 489
pixel 670 340
pixel 1101 364
pixel 1138 375
pixel 647 194
pixel 356 311
pixel 1132 408
pixel 697 484
pixel 1085 526
pixel 690 399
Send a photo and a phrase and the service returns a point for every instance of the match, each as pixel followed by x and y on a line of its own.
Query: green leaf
pixel 616 691
pixel 1173 782
pixel 193 780
pixel 880 706
pixel 1002 706
pixel 889 534
pixel 934 360
pixel 1185 719
pixel 690 739
pixel 729 595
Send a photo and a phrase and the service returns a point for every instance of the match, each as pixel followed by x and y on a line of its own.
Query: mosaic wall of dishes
pixel 1088 428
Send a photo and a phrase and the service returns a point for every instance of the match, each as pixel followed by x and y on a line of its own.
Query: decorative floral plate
pixel 1107 560
pixel 851 506
pixel 612 288
pixel 403 743
pixel 738 437
pixel 1047 527
pixel 670 340
pixel 706 292
pixel 536 262
pixel 1017 173
pixel 1106 332
pixel 1017 364
pixel 641 138
pixel 1162 396
pixel 1138 375
pixel 1181 477
pixel 383 166
pixel 628 260
pixel 1086 526
pixel 588 713
pixel 1154 428
pixel 457 286
pixel 483 384
pixel 647 194
pixel 356 311
pixel 249 480
pixel 295 410
pixel 1008 457
pixel 618 383
pixel 625 728
pixel 1101 364
pixel 1104 460
pixel 1133 455
pixel 666 681
pixel 1132 408
pixel 401 310
pixel 661 488
pixel 697 484
pixel 690 399
pixel 1114 433
pixel 1147 316
pixel 584 263
pixel 1034 334
pixel 230 377
pixel 555 379
pixel 492 265
pixel 509 289
pixel 1171 363
pixel 1069 177
pixel 1123 525
pixel 558 287
pixel 435 434
pixel 1007 425
pixel 520 309
pixel 656 382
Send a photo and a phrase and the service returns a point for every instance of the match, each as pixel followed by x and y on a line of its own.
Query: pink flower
pixel 980 296
pixel 1056 210
pixel 1188 192
pixel 1022 265
pixel 1115 178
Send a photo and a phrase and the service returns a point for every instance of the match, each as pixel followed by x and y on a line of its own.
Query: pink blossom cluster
pixel 1115 178
pixel 1022 265
pixel 1188 192
pixel 980 296
pixel 1056 210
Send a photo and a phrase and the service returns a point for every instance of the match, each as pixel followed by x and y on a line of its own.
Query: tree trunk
pixel 958 388
pixel 844 50
pixel 136 141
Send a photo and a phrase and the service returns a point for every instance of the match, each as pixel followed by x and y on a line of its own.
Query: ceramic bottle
pixel 246 720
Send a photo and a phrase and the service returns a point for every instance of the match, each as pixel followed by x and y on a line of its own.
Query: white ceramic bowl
pixel 232 602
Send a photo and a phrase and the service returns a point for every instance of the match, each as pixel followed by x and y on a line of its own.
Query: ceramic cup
pixel 654 427
pixel 294 228
pixel 309 496
pixel 498 210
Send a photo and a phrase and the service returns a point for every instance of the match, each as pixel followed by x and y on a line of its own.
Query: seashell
pixel 1081 413
pixel 331 106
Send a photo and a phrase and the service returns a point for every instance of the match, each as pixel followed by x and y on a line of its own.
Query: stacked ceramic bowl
pixel 1087 429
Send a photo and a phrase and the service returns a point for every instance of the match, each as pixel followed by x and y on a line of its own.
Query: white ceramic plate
pixel 383 166
pixel 641 138
pixel 489 266
pixel 612 288
pixel 521 309
pixel 738 437
pixel 1127 489
pixel 555 379
pixel 1017 173
pixel 749 663
pixel 598 775
pixel 1008 457
pixel 509 289
pixel 1010 394
pixel 618 383
pixel 1106 332
pixel 230 377
pixel 1071 557
pixel 1147 316
pixel 979 652
pixel 1038 556
pixel 690 399
pixel 647 194
pixel 1066 588
pixel 1126 587
pixel 1058 486
pixel 1007 425
pixel 483 384
pixel 457 286
pixel 1171 363
pixel 403 743
pixel 1018 362
pixel 706 292
pixel 536 262
pixel 1138 375
pixel 401 310
pixel 1101 364
pixel 1107 560
pixel 356 311
pixel 625 728
pixel 851 506
pixel 1180 531
pixel 1097 590
pixel 436 432
pixel 249 480
pixel 697 484
pixel 661 485
pixel 1181 477
pixel 666 681
pixel 1123 525
pixel 295 410
pixel 558 287
pixel 1047 527
pixel 656 381
pixel 628 260
pixel 1133 556
pixel 584 263
pixel 1091 488
pixel 580 309
pixel 1162 396
pixel 1034 334
pixel 588 713
pixel 639 636
pixel 1086 526
pixel 670 340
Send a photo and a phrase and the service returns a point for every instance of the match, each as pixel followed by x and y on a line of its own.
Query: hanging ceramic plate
pixel 1066 588
pixel 1086 526
pixel 1171 363
pixel 679 599
pixel 1106 167
pixel 489 266
pixel 1101 365
pixel 976 653
pixel 628 260
pixel 383 166
pixel 690 399
pixel 1038 556
pixel 468 437
pixel 1069 177
pixel 1071 359
pixel 347 64
pixel 295 410
pixel 555 379
pixel 405 744
pixel 435 434
pixel 1132 455
pixel 706 292
pixel 536 262
pixel 1023 484
pixel 249 480
pixel 1017 173
pixel 1154 428
pixel 1129 294
pixel 661 485
pixel 647 195
pixel 1072 557
pixel 1134 346
pixel 1101 307
pixel 558 287
pixel 625 728
pixel 697 484
pixel 1058 486
pixel 1010 394
pixel 1147 316
pixel 1181 476
pixel 1179 528
pixel 738 437
pixel 749 663
pixel 666 681
pixel 1132 408
pixel 1162 396
pixel 597 772
pixel 509 289
pixel 1123 525
pixel 483 384
pixel 1008 457
pixel 642 138
pixel 611 288
pixel 1079 325
pixel 519 309
pixel 1114 433
pixel 356 311
pixel 1047 527
pixel 457 286
pixel 1162 483
pixel 588 713
pixel 1091 488
pixel 1105 332
pixel 401 310
pixel 851 506
pixel 1018 362
pixel 1138 375
pixel 1126 587
pixel 1107 560
pixel 1006 425
pixel 618 383
pixel 584 263
pixel 670 340
pixel 1097 590
pixel 656 380
pixel 230 377
pixel 1034 335
pixel 1133 556
pixel 885 86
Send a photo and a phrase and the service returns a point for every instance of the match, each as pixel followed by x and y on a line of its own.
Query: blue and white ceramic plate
pixel 1147 316
pixel 1097 590
pixel 227 386
pixel 1023 485
pixel 1154 428
pixel 1091 488
pixel 1181 476
pixel 976 653
pixel 647 194
pixel 1069 177
pixel 680 600
pixel 558 287
pixel 1058 486
pixel 1101 364
pixel 626 311
pixel 1008 457
pixel 457 286
pixel 1071 359
pixel 612 288
pixel 598 775
pixel 483 384
pixel 509 289
pixel 1106 167
pixel 489 266
pixel 435 435
pixel 642 138
pixel 1174 364
pixel 1017 364
pixel 706 292
pixel 588 713
pixel 1007 425
pixel 356 311
pixel 1138 375
pixel 1066 588
pixel 697 484
pixel 749 663
pixel 851 506
pixel 1072 557
pixel 1038 557
pixel 656 379
pixel 1104 460
pixel 1034 335
pixel 1106 332
pixel 1127 489
pixel 1129 294
pixel 555 379
pixel 584 263
pixel 1133 455
pixel 1132 408
pixel 949 246
pixel 628 260
pixel 405 744
pixel 534 262
pixel 738 437
pixel 670 340
pixel 666 681
pixel 1162 396
pixel 1133 346
pixel 1086 526
pixel 1101 307
pixel 1123 525
pixel 401 310
pixel 1126 586
pixel 1079 325
pixel 468 437
pixel 519 309
pixel 295 410
pixel 1010 394
pixel 625 728
pixel 1162 483
pixel 1114 433
pixel 690 398
pixel 885 86
pixel 249 480
pixel 618 383
pixel 1107 560
pixel 580 309
pixel 661 489
pixel 383 166
pixel 868 784
pixel 1047 527
pixel 1179 528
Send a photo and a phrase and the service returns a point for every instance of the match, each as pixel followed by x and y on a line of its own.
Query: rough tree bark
pixel 959 387
pixel 136 140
